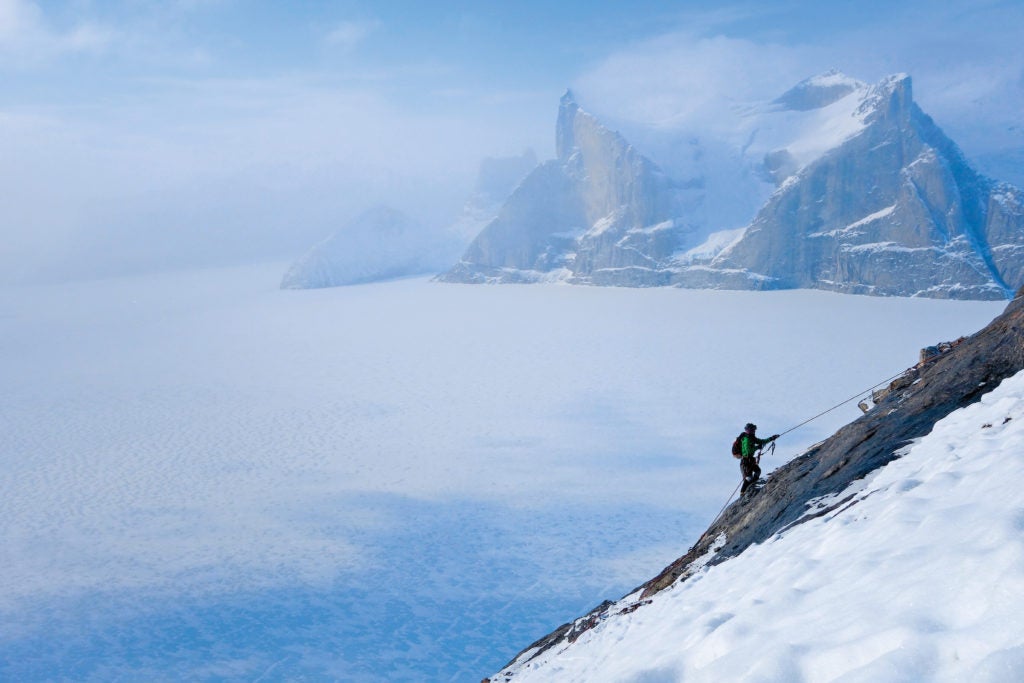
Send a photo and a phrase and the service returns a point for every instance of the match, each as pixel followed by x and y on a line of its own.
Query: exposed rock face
pixel 600 213
pixel 895 210
pixel 496 179
pixel 871 198
pixel 950 381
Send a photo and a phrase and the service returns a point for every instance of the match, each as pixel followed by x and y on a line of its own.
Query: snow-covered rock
pixel 893 210
pixel 819 91
pixel 918 576
pixel 838 184
pixel 601 212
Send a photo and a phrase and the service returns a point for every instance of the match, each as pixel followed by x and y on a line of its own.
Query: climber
pixel 747 447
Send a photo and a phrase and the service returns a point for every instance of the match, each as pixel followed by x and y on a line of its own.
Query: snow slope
pixel 208 478
pixel 920 577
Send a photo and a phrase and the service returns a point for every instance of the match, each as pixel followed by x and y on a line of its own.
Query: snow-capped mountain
pixel 889 552
pixel 381 243
pixel 384 243
pixel 835 184
pixel 893 210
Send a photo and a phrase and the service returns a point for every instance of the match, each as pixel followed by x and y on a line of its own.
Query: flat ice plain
pixel 208 478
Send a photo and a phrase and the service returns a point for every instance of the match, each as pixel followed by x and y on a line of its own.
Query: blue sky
pixel 135 134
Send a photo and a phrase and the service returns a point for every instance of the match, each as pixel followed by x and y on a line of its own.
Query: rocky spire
pixel 565 129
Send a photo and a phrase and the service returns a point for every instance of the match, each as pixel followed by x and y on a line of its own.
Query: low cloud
pixel 684 80
pixel 220 171
pixel 964 57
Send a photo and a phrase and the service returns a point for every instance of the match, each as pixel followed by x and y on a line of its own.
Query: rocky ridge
pixel 894 210
pixel 870 197
pixel 600 213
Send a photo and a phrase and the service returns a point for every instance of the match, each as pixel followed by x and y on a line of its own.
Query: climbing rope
pixel 811 419
pixel 771 450
pixel 724 506
pixel 842 403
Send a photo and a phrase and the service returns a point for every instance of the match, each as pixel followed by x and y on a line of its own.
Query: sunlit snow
pixel 919 577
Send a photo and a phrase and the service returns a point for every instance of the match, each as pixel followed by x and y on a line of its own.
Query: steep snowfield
pixel 919 578
pixel 207 477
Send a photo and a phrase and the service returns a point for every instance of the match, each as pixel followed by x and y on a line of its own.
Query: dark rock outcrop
pixel 944 383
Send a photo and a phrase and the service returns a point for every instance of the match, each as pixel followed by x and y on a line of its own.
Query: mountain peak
pixel 819 91
pixel 891 97
pixel 565 129
pixel 870 197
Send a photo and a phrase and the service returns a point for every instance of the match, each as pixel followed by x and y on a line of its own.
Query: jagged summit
pixel 599 207
pixel 894 210
pixel 838 185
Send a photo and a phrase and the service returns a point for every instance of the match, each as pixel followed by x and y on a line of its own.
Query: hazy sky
pixel 141 134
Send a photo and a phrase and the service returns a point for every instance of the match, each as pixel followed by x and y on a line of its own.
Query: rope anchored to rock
pixel 869 391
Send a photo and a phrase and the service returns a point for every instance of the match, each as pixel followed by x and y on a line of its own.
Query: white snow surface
pixel 919 578
pixel 208 478
pixel 716 243
pixel 854 226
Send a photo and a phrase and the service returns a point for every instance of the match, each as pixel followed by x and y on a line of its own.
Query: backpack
pixel 737 447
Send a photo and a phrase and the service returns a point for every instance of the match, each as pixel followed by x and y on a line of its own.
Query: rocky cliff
pixel 894 210
pixel 808 486
pixel 599 213
pixel 870 197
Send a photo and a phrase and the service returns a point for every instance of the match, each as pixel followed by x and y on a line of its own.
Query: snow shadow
pixel 450 592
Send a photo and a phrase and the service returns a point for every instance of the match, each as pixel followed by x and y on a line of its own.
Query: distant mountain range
pixel 835 185
pixel 384 243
